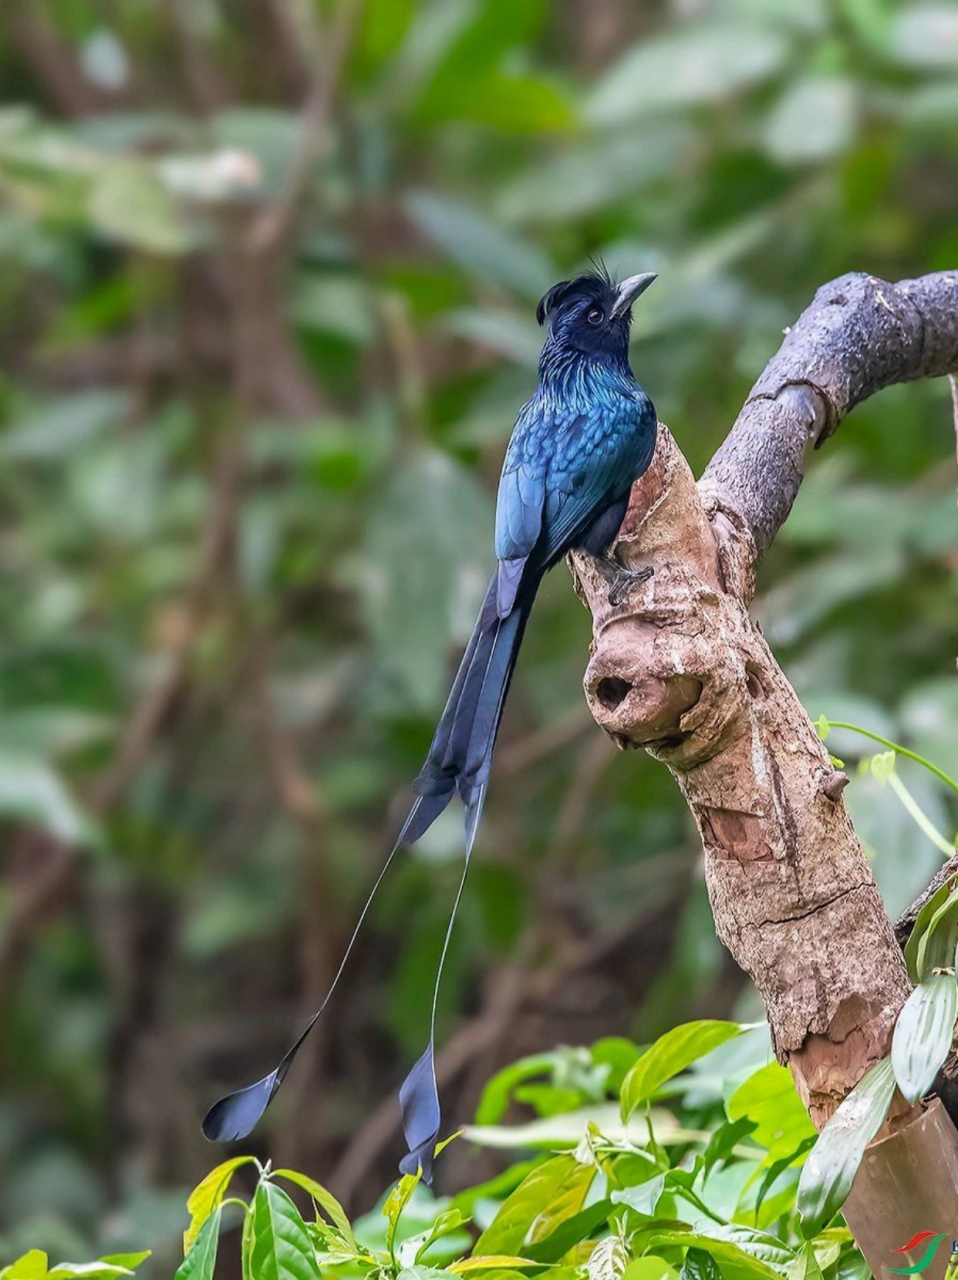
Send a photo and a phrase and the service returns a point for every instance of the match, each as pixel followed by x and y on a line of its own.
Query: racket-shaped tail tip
pixel 238 1114
pixel 421 1117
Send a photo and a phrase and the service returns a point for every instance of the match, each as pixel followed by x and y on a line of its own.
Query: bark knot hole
pixel 612 691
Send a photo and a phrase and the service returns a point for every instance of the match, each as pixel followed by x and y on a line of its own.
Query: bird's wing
pixel 596 459
pixel 521 500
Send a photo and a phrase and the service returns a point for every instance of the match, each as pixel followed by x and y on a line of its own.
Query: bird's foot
pixel 621 580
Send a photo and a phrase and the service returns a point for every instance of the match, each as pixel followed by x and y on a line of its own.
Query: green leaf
pixel 670 1054
pixel 569 1232
pixel 325 1199
pixel 778 1167
pixel 608 1260
pixel 568 1130
pixel 552 1193
pixel 280 1246
pixel 29 1266
pixel 410 553
pixel 830 1169
pixel 128 1260
pixel 200 1260
pixel 725 1139
pixel 697 65
pixel 814 120
pixel 394 1204
pixel 758 1244
pixel 922 922
pixel 734 1263
pixel 498 1091
pixel 480 246
pixel 491 1262
pixel 936 948
pixel 649 1267
pixel 422 1273
pixel 699 1265
pixel 87 1271
pixel 644 1197
pixel 806 1266
pixel 883 766
pixel 417 1246
pixel 208 1196
pixel 769 1098
pixel 822 727
pixel 923 1034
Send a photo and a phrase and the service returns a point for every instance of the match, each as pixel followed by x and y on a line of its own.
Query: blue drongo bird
pixel 577 447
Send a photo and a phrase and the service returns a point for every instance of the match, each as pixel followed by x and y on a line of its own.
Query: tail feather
pixel 461 751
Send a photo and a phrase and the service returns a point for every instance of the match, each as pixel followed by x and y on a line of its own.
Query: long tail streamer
pixel 236 1115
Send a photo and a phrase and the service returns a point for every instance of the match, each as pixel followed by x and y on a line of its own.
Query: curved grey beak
pixel 629 290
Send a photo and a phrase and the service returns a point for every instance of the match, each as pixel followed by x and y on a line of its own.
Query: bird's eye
pixel 594 315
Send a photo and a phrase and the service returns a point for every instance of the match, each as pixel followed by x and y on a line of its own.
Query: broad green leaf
pixel 280 1246
pixel 129 1260
pixel 649 1267
pixel 831 1167
pixel 815 119
pixel 29 1266
pixel 31 791
pixel 62 424
pixel 936 948
pixel 769 1099
pixel 488 251
pixel 208 1195
pixel 699 1265
pixel 778 1167
pixel 693 66
pixel 422 1273
pixel 410 553
pixel 671 1054
pixel 733 1262
pixel 759 1244
pixel 447 1222
pixel 926 35
pixel 491 1262
pixel 923 1034
pixel 569 1129
pixel 572 1230
pixel 87 1271
pixel 922 921
pixel 643 1197
pixel 200 1260
pixel 498 1091
pixel 552 1193
pixel 806 1266
pixel 325 1199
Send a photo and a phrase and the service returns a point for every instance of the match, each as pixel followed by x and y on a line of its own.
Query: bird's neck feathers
pixel 572 376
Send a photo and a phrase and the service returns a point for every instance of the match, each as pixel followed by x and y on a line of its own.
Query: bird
pixel 578 445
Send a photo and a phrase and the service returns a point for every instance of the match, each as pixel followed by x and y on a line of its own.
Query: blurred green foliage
pixel 269 272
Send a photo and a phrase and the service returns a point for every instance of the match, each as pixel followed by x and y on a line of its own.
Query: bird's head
pixel 592 314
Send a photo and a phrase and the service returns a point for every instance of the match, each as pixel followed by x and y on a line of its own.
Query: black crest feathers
pixel 590 284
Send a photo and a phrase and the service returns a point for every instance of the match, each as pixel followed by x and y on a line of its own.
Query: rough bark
pixel 682 670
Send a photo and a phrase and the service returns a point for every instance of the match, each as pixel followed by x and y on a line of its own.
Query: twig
pixel 275 224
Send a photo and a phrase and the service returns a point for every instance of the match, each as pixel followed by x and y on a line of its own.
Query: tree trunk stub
pixel 682 670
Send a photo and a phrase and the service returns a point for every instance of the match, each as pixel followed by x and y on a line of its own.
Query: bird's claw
pixel 621 579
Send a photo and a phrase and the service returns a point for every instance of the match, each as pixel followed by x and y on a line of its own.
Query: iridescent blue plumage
pixel 577 447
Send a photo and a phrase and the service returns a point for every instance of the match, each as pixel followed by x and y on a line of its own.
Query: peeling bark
pixel 682 670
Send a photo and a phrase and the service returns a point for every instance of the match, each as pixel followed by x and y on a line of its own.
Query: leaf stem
pixel 902 751
pixel 912 807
